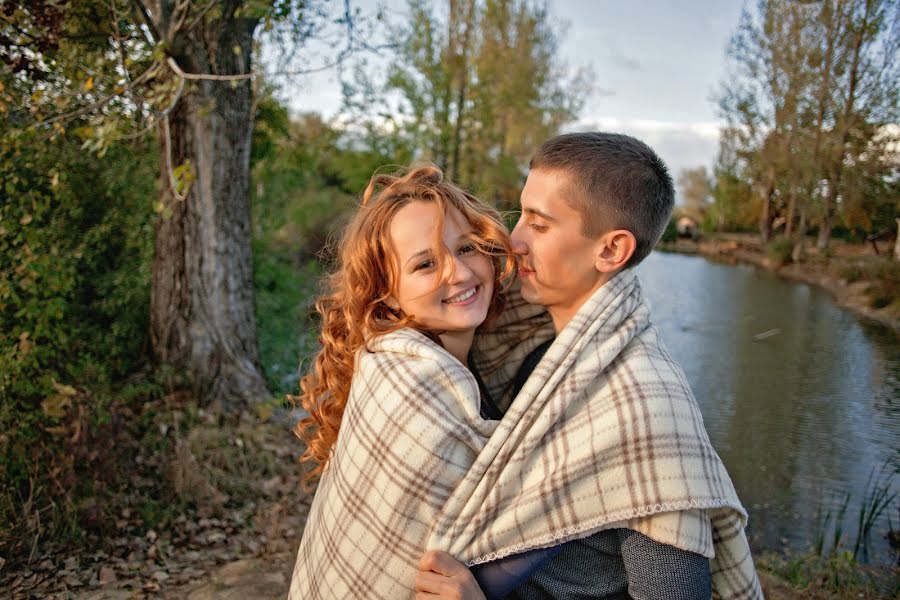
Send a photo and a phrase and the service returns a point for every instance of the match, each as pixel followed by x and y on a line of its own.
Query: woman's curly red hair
pixel 353 305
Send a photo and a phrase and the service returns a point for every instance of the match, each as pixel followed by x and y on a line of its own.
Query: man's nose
pixel 516 238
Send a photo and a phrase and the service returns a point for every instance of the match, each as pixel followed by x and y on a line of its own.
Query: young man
pixel 639 515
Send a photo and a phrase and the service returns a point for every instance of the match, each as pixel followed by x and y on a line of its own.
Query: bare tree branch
pixel 148 20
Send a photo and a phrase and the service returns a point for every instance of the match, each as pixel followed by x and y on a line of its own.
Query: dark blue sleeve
pixel 498 578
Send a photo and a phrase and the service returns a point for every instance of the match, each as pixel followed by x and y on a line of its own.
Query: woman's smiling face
pixel 452 300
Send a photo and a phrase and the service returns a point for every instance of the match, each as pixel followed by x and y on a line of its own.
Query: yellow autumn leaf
pixel 25 220
pixel 89 84
pixel 55 406
pixel 59 430
pixel 264 412
pixel 54 181
pixel 65 390
pixel 2 87
pixel 25 344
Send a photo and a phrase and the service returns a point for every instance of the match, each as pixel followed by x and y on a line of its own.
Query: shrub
pixel 778 251
pixel 881 272
pixel 670 234
pixel 75 251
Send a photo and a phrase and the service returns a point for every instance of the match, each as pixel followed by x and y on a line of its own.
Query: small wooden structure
pixel 687 227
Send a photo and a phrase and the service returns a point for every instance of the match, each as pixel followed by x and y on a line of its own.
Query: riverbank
pixel 859 280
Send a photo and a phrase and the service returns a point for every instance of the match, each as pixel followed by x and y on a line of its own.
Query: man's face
pixel 557 261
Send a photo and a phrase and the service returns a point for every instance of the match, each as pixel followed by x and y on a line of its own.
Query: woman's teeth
pixel 461 297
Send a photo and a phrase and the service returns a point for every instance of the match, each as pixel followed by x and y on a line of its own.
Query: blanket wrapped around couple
pixel 605 433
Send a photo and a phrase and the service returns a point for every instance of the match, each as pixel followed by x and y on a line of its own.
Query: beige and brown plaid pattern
pixel 410 431
pixel 605 433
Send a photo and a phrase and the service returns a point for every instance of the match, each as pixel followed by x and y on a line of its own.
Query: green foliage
pixel 670 234
pixel 480 86
pixel 778 251
pixel 75 247
pixel 286 333
pixel 306 178
pixel 810 100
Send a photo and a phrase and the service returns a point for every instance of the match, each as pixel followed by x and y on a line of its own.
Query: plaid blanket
pixel 605 433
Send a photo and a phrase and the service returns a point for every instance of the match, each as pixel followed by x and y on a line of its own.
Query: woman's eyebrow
pixel 427 252
pixel 417 255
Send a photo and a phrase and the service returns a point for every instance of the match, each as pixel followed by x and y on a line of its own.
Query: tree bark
pixel 765 218
pixel 202 302
pixel 897 242
pixel 463 82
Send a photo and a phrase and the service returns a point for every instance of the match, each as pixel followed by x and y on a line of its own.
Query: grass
pixel 882 274
pixel 832 569
pixel 836 577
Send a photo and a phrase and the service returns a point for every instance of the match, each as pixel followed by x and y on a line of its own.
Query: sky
pixel 656 64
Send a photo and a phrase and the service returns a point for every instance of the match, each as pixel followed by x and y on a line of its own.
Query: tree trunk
pixel 897 242
pixel 844 126
pixel 798 251
pixel 765 219
pixel 825 225
pixel 792 209
pixel 463 82
pixel 202 303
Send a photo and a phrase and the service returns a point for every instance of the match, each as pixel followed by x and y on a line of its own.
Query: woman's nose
pixel 459 271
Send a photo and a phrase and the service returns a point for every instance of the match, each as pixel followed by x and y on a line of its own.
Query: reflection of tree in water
pixel 792 415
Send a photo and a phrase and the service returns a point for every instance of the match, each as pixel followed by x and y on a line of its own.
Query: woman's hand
pixel 442 576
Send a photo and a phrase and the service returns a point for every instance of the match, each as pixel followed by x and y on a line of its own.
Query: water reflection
pixel 801 414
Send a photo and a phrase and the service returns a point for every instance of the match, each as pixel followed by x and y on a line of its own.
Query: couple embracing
pixel 494 415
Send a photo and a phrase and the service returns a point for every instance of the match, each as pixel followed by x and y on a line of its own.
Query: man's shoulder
pixel 646 360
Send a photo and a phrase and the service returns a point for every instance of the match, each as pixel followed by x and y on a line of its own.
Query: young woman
pixel 393 409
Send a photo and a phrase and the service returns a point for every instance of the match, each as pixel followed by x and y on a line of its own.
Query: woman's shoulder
pixel 409 358
pixel 406 365
pixel 409 345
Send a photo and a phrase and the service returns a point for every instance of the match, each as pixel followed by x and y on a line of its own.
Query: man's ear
pixel 615 249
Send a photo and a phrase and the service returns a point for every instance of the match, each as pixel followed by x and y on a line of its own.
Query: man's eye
pixel 537 227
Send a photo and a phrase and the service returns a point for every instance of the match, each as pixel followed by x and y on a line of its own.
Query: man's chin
pixel 529 294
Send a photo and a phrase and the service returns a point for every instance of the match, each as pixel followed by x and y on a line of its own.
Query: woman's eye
pixel 467 249
pixel 425 264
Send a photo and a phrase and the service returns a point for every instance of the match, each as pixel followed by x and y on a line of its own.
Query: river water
pixel 803 414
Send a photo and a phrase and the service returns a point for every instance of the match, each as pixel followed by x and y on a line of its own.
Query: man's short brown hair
pixel 615 181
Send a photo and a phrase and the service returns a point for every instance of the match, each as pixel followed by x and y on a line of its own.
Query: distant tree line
pixel 812 136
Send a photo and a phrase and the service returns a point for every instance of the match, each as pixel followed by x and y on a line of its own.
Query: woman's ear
pixel 615 249
pixel 392 303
